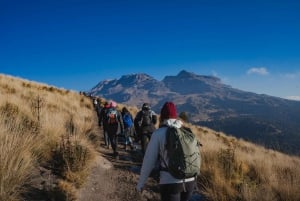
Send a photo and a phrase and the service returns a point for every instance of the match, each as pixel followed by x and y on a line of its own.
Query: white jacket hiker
pixel 156 149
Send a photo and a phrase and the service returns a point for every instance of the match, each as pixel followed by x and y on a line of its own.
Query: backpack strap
pixel 166 168
pixel 144 113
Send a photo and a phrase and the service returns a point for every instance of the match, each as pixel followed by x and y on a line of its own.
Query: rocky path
pixel 115 180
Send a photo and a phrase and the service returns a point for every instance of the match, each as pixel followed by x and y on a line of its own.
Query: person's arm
pixel 137 119
pixel 154 118
pixel 149 161
pixel 120 119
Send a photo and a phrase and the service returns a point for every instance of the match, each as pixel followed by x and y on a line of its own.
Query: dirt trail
pixel 115 180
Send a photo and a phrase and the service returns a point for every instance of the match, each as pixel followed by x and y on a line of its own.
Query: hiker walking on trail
pixel 172 188
pixel 128 127
pixel 103 123
pixel 98 108
pixel 144 124
pixel 115 126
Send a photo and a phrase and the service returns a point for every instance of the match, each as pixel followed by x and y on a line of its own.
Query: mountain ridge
pixel 209 102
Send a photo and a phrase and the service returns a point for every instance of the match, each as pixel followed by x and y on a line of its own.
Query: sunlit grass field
pixel 40 124
pixel 43 125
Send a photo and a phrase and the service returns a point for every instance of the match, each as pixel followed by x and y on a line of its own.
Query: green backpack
pixel 183 152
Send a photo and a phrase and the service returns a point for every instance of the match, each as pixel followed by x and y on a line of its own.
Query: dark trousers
pixel 128 132
pixel 145 138
pixel 177 192
pixel 113 141
pixel 112 131
pixel 106 138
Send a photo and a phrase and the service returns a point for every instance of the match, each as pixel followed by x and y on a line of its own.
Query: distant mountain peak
pixel 185 73
pixel 143 76
pixel 208 78
pixel 138 77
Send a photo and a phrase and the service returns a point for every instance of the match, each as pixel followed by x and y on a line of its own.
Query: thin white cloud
pixel 259 71
pixel 291 75
pixel 297 98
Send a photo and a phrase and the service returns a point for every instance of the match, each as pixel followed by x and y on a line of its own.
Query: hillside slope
pixel 45 141
pixel 50 144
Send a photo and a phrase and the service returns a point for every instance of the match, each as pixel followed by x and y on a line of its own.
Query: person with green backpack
pixel 176 149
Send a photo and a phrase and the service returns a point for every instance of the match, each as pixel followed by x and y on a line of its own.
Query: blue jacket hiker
pixel 129 130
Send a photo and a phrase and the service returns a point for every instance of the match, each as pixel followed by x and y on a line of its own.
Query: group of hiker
pixel 117 124
pixel 172 146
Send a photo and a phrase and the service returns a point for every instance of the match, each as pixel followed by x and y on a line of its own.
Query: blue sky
pixel 251 45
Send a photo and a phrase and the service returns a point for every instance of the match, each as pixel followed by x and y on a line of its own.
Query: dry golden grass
pixel 17 161
pixel 41 123
pixel 35 119
pixel 67 190
pixel 234 169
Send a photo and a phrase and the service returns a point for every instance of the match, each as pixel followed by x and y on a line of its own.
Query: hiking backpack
pixel 183 153
pixel 146 118
pixel 112 115
pixel 127 121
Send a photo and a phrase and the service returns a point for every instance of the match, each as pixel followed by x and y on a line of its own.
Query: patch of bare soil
pixel 115 180
pixel 43 185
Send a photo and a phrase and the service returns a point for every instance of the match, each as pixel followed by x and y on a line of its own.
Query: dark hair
pixel 146 106
pixel 124 110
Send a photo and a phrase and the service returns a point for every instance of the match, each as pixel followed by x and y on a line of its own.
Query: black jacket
pixel 138 122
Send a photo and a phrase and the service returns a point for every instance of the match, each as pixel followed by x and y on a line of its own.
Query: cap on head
pixel 168 111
